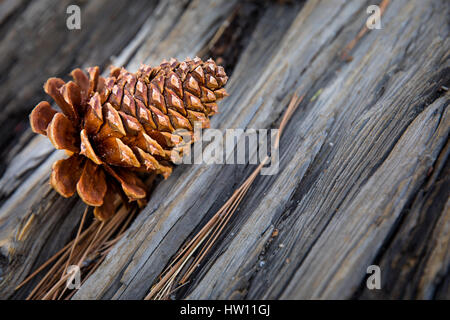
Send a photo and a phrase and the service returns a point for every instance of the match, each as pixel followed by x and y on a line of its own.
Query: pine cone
pixel 117 128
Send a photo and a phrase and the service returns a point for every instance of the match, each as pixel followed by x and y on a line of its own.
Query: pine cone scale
pixel 62 134
pixel 41 116
pixel 91 186
pixel 65 175
pixel 124 125
pixel 86 148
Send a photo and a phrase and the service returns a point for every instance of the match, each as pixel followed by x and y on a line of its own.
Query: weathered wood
pixel 364 151
pixel 36 44
pixel 415 262
pixel 35 222
pixel 170 218
pixel 337 198
pixel 24 186
pixel 363 171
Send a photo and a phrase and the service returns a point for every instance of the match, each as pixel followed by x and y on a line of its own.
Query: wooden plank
pixel 363 152
pixel 355 185
pixel 24 185
pixel 363 224
pixel 27 217
pixel 179 204
pixel 25 193
pixel 415 260
pixel 36 45
pixel 25 196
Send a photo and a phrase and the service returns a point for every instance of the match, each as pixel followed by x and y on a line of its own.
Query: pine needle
pixel 211 231
pixel 349 47
pixel 87 251
pixel 90 247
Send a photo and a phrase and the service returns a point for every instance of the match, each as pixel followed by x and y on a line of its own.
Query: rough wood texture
pixel 36 44
pixel 364 173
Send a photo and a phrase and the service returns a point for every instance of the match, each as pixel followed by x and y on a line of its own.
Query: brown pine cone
pixel 117 127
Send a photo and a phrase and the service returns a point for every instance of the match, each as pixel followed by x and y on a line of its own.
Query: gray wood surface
pixel 364 161
pixel 35 44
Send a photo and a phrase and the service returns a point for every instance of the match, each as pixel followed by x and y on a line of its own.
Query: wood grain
pixel 363 173
pixel 36 44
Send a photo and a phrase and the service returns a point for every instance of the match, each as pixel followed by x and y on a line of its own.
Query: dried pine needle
pixel 180 268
